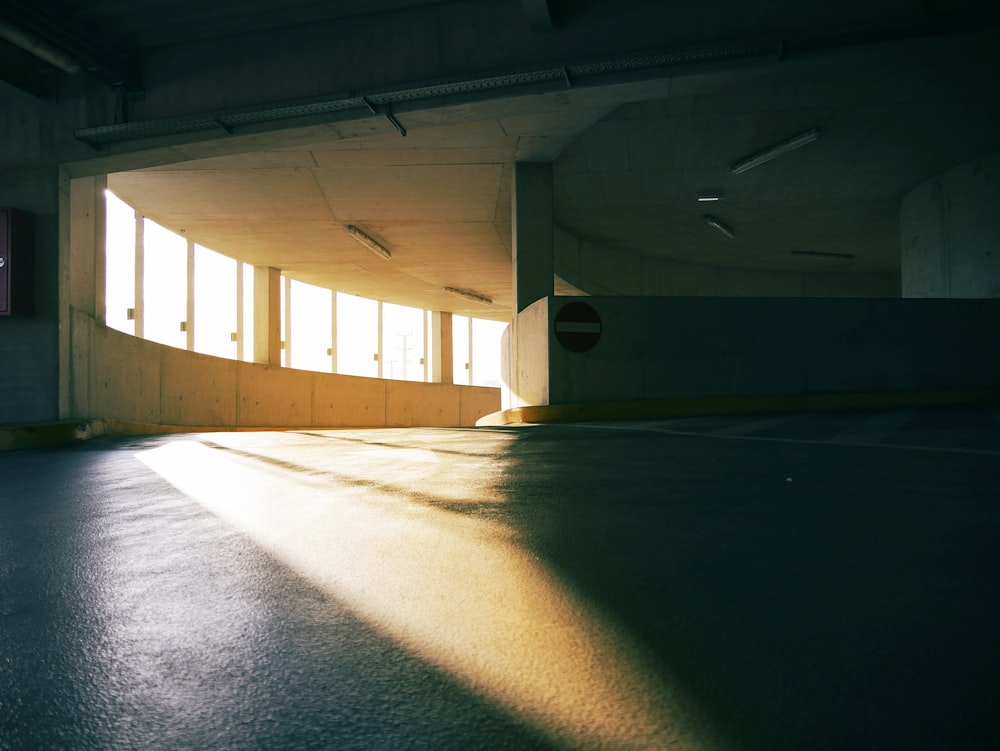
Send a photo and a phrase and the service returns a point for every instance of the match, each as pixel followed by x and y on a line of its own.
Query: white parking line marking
pixel 716 436
pixel 876 428
pixel 750 427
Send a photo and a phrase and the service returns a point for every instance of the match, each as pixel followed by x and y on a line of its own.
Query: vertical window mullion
pixel 470 350
pixel 190 323
pixel 139 297
pixel 287 333
pixel 379 353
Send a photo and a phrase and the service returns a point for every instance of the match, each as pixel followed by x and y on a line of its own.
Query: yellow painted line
pixel 735 405
pixel 66 432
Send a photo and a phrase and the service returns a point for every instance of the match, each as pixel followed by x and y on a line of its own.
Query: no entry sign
pixel 578 327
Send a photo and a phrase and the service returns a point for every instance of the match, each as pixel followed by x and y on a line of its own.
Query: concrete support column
pixel 333 331
pixel 469 366
pixel 286 335
pixel 240 328
pixel 267 316
pixel 139 249
pixel 84 275
pixel 378 348
pixel 100 249
pixel 532 224
pixel 190 322
pixel 82 284
pixel 442 365
pixel 426 360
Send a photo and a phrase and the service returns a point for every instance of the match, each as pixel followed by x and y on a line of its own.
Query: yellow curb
pixel 66 432
pixel 734 405
pixel 44 434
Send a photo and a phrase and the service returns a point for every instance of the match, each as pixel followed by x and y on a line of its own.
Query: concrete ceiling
pixel 886 124
pixel 439 199
pixel 629 159
pixel 628 165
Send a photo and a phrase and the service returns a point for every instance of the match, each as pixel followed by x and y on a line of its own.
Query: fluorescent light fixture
pixel 716 224
pixel 706 196
pixel 777 150
pixel 824 255
pixel 468 295
pixel 373 245
pixel 38 47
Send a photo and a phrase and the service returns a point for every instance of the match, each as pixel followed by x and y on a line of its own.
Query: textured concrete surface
pixel 118 376
pixel 779 582
pixel 651 348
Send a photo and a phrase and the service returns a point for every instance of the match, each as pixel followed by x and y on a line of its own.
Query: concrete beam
pixel 538 13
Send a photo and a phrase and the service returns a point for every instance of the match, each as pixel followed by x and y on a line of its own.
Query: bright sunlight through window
pixel 322 330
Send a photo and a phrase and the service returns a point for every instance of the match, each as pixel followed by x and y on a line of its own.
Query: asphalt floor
pixel 809 581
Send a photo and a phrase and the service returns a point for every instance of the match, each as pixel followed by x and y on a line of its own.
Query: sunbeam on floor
pixel 455 589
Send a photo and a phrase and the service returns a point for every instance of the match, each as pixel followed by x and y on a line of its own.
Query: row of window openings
pixel 327 331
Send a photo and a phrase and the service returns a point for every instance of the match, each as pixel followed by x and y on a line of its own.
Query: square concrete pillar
pixel 267 316
pixel 532 224
pixel 442 367
pixel 82 283
pixel 83 274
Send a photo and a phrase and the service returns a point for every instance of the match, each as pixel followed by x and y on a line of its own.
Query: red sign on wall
pixel 17 284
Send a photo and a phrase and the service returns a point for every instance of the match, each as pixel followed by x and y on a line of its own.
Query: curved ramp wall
pixel 118 376
pixel 655 348
pixel 600 270
pixel 950 233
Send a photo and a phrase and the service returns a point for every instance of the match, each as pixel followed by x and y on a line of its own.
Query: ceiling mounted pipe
pixel 38 47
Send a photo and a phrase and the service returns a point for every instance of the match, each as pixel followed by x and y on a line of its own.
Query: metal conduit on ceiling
pixel 647 65
pixel 517 81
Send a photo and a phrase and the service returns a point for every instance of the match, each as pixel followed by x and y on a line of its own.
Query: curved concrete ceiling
pixel 438 199
pixel 629 161
pixel 886 123
pixel 900 92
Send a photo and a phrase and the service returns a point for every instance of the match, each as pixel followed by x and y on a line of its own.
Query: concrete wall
pixel 35 137
pixel 600 270
pixel 663 348
pixel 136 380
pixel 28 346
pixel 950 233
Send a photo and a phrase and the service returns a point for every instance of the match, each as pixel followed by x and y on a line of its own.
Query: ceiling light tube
pixel 716 224
pixel 710 195
pixel 777 150
pixel 373 245
pixel 824 255
pixel 468 295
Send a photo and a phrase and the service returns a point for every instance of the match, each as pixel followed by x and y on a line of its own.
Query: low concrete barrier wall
pixel 117 376
pixel 676 347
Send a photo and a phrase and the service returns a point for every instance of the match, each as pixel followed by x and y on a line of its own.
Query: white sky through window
pixel 215 289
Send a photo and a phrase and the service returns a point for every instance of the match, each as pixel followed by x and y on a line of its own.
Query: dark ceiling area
pixel 889 102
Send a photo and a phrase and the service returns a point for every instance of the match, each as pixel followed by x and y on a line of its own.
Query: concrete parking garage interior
pixel 776 223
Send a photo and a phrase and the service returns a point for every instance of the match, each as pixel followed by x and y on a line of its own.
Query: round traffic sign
pixel 578 327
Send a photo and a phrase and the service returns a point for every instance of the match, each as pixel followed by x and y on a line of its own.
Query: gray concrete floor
pixel 818 581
